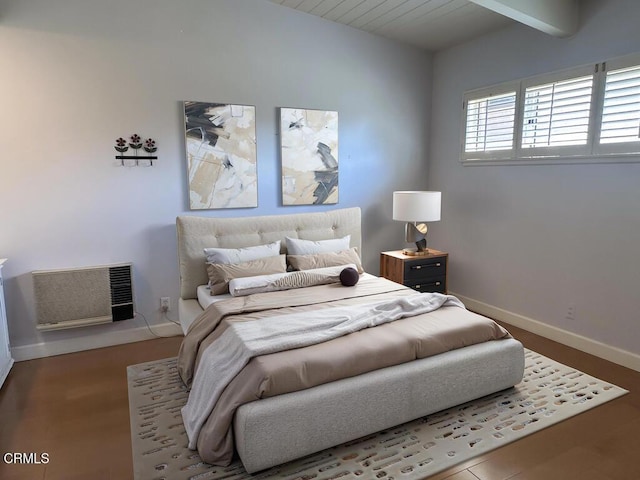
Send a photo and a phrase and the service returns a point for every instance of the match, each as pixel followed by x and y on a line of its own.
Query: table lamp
pixel 413 207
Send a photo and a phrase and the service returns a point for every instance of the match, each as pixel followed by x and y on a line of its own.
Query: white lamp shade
pixel 415 206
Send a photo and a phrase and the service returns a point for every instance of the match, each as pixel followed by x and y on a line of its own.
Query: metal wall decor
pixel 136 143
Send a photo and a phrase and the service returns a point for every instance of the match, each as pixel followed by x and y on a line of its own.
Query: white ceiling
pixel 437 24
pixel 427 24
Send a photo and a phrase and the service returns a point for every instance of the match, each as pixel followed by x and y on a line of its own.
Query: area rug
pixel 549 393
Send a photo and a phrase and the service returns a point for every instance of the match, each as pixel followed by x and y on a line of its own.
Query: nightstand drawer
pixel 436 284
pixel 426 273
pixel 424 268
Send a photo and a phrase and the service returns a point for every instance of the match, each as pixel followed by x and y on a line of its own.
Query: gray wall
pixel 535 240
pixel 77 74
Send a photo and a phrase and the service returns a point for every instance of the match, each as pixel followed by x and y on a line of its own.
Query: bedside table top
pixel 398 254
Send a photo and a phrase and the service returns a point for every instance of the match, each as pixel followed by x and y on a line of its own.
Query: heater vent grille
pixel 120 282
pixel 79 297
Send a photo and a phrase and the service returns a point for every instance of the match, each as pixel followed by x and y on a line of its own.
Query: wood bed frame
pixel 275 430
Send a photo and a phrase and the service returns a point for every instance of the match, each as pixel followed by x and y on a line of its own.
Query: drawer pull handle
pixel 435 284
pixel 419 267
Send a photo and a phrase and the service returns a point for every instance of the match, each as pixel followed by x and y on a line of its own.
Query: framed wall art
pixel 309 155
pixel 220 141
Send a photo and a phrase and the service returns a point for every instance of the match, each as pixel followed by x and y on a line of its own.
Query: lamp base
pixel 412 252
pixel 421 249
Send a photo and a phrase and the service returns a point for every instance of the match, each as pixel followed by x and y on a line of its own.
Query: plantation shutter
pixel 490 123
pixel 621 108
pixel 587 114
pixel 557 114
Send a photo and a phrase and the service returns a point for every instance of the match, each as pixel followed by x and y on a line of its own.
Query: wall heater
pixel 77 297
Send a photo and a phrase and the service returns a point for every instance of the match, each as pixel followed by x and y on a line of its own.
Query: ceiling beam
pixel 555 17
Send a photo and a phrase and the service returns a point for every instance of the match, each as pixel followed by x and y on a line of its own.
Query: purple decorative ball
pixel 349 277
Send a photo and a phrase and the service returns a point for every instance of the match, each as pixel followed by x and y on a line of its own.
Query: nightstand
pixel 425 273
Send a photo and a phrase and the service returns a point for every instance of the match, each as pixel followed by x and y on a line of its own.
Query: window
pixel 490 122
pixel 621 107
pixel 582 114
pixel 557 114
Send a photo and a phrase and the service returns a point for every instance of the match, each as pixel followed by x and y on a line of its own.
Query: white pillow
pixel 296 246
pixel 286 281
pixel 228 256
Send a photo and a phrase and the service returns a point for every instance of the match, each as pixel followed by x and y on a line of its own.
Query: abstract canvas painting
pixel 309 150
pixel 221 155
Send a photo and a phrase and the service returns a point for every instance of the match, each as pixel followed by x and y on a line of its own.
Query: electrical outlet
pixel 165 304
pixel 571 312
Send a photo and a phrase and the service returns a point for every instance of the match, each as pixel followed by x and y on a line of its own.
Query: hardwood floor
pixel 75 408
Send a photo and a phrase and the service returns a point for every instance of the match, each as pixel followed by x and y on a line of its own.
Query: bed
pixel 285 426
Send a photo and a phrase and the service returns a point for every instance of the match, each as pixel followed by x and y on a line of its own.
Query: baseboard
pixel 588 345
pixel 60 347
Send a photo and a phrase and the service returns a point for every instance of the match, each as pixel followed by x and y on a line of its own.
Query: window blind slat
pixel 622 100
pixel 623 74
pixel 627 110
pixel 616 86
pixel 612 128
pixel 559 115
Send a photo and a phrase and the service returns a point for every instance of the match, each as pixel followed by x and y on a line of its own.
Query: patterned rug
pixel 549 393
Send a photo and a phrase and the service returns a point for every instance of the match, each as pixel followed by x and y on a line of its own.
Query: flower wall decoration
pixel 135 143
pixel 150 145
pixel 121 145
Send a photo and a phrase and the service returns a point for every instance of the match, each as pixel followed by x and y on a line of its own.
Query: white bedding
pixel 205 298
pixel 286 281
pixel 241 341
pixel 188 315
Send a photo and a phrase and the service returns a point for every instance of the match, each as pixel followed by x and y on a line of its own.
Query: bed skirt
pixel 275 430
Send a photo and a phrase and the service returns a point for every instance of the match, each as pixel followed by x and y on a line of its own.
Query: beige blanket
pixel 359 352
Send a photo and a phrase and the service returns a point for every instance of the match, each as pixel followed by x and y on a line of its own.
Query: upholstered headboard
pixel 197 233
